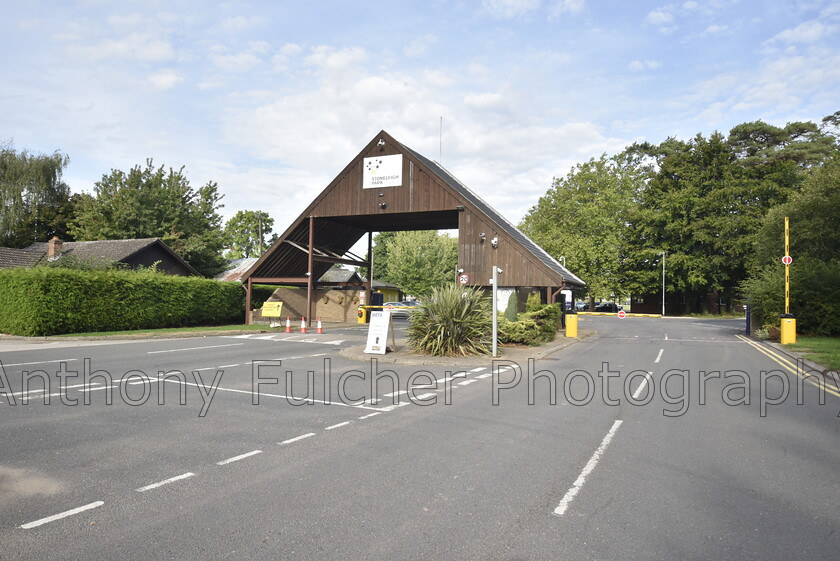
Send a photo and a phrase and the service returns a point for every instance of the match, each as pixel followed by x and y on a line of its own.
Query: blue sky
pixel 272 99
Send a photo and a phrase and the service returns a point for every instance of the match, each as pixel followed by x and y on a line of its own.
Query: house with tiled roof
pixel 134 253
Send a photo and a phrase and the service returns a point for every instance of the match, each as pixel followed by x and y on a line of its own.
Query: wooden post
pixel 311 273
pixel 248 303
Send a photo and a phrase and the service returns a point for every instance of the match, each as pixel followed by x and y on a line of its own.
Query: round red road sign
pixel 787 259
pixel 464 278
pixel 622 314
pixel 390 306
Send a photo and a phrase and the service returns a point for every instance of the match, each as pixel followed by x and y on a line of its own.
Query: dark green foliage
pixel 532 328
pixel 248 234
pixel 260 293
pixel 511 309
pixel 454 321
pixel 155 203
pixel 50 301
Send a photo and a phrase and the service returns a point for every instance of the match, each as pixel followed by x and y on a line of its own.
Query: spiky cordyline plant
pixel 454 321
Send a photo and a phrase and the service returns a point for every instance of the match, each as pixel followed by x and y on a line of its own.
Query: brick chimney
pixel 54 249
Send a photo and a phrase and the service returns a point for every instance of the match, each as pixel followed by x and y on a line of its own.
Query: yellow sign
pixel 272 309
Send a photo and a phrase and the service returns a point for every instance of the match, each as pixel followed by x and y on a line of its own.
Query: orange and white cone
pixel 319 330
pixel 303 325
pixel 288 324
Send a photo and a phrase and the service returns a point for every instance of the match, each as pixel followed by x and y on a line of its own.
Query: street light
pixel 663 283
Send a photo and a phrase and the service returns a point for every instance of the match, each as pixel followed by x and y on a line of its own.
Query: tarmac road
pixel 458 461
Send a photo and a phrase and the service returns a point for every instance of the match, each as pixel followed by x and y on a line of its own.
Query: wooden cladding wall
pixel 420 192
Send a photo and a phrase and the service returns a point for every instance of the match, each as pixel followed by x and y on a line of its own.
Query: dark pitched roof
pixel 10 257
pixel 236 268
pixel 494 215
pixel 109 250
pixel 340 275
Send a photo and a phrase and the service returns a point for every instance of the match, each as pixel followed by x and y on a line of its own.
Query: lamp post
pixel 663 283
pixel 495 282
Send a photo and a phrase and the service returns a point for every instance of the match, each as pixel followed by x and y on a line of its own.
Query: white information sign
pixel 378 332
pixel 382 171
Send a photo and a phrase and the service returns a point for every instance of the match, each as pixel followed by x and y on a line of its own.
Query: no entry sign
pixel 622 314
pixel 787 259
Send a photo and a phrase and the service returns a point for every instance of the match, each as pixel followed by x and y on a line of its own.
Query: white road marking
pixel 239 457
pixel 297 438
pixel 467 382
pixel 61 515
pixel 228 366
pixel 482 376
pixel 424 396
pixel 479 369
pixel 659 356
pixel 666 336
pixel 587 469
pixel 40 362
pixel 193 348
pixel 641 387
pixel 344 424
pixel 369 415
pixel 165 482
pixel 392 394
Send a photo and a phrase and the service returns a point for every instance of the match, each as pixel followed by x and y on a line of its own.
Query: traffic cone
pixel 303 325
pixel 288 324
pixel 319 330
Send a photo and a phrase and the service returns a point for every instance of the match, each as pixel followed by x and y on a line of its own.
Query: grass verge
pixel 822 350
pixel 173 331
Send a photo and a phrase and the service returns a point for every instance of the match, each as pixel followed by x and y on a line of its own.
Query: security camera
pixel 494 242
pixel 381 142
pixel 482 236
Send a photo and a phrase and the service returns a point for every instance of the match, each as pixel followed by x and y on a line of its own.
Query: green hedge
pixel 52 301
pixel 532 328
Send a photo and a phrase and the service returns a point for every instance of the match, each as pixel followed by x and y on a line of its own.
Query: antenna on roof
pixel 440 142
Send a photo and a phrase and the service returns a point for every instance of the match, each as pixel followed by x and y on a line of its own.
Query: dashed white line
pixel 392 394
pixel 165 482
pixel 369 415
pixel 641 387
pixel 344 424
pixel 467 382
pixel 239 457
pixel 297 438
pixel 587 469
pixel 194 348
pixel 479 369
pixel 40 362
pixel 659 356
pixel 61 515
pixel 482 376
pixel 228 366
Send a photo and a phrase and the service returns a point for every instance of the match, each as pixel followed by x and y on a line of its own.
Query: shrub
pixel 511 309
pixel 534 302
pixel 454 321
pixel 50 301
pixel 520 332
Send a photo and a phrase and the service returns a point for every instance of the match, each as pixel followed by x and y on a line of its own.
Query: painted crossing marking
pixel 239 457
pixel 659 356
pixel 587 469
pixel 61 515
pixel 165 482
pixel 338 425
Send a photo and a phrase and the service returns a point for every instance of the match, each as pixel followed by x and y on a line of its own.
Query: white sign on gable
pixel 382 171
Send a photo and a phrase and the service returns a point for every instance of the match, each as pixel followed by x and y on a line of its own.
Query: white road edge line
pixel 61 515
pixel 239 457
pixel 659 356
pixel 193 348
pixel 587 469
pixel 165 482
pixel 39 362
pixel 297 438
pixel 344 424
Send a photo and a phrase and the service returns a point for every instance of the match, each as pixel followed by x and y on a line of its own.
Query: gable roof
pixel 429 198
pixel 110 250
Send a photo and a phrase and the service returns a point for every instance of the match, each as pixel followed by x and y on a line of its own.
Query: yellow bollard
pixel 571 324
pixel 362 314
pixel 788 335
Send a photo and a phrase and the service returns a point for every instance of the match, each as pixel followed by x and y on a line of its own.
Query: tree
pixel 35 203
pixel 420 261
pixel 155 203
pixel 582 217
pixel 248 234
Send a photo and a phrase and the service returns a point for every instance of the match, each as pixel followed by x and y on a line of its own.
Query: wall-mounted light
pixel 383 205
pixel 460 271
pixel 494 242
pixel 482 236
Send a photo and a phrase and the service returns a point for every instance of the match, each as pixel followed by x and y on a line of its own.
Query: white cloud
pixel 639 65
pixel 419 46
pixel 566 6
pixel 165 79
pixel 509 9
pixel 141 46
pixel 806 32
pixel 660 16
pixel 331 59
pixel 716 29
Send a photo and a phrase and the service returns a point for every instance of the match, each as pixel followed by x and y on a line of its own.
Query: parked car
pixel 610 307
pixel 581 306
pixel 401 309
